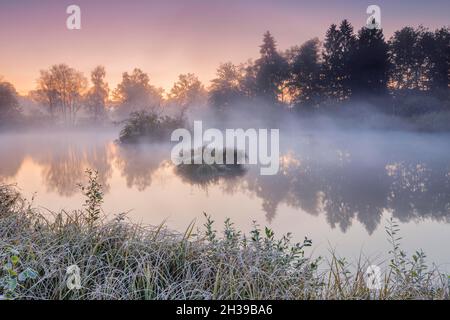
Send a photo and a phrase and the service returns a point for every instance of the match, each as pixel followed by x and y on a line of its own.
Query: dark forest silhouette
pixel 408 75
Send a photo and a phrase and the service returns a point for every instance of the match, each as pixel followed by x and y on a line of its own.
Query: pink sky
pixel 166 38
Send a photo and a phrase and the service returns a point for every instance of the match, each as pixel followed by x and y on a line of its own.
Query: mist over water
pixel 337 184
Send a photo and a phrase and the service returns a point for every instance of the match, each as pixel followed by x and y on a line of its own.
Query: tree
pixel 9 105
pixel 421 58
pixel 305 74
pixel 348 43
pixel 46 94
pixel 136 93
pixel 330 64
pixel 406 58
pixel 61 88
pixel 272 70
pixel 337 59
pixel 440 60
pixel 247 79
pixel 187 91
pixel 421 69
pixel 225 88
pixel 97 96
pixel 370 63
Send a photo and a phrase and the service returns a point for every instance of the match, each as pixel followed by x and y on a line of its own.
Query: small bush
pixel 148 126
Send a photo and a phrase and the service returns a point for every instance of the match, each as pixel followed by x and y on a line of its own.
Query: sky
pixel 171 37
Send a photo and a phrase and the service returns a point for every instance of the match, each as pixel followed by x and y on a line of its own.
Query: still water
pixel 336 188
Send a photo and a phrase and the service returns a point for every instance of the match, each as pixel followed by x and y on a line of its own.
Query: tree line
pixel 410 71
pixel 347 65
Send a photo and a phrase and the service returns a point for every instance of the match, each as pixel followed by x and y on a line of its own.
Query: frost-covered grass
pixel 122 260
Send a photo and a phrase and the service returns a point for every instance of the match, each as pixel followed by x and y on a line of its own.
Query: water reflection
pixel 138 163
pixel 11 158
pixel 63 160
pixel 64 167
pixel 342 182
pixel 204 175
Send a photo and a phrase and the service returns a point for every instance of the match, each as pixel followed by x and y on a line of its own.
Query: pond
pixel 337 188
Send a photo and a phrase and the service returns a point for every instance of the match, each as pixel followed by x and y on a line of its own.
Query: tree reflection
pixel 11 158
pixel 63 166
pixel 138 163
pixel 63 160
pixel 345 186
pixel 349 190
pixel 359 191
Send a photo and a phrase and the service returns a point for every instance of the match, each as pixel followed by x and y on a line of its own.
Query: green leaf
pixel 12 273
pixel 15 260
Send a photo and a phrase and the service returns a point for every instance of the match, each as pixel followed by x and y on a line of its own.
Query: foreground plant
pixel 121 260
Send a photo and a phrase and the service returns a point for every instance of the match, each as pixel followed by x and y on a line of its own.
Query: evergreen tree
pixel 370 63
pixel 338 51
pixel 272 70
pixel 331 59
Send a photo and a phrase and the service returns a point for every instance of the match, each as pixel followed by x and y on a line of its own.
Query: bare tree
pixel 62 89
